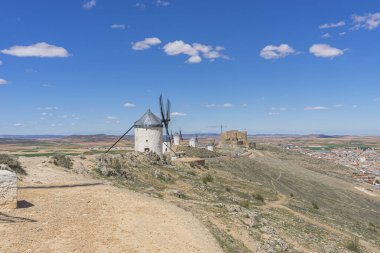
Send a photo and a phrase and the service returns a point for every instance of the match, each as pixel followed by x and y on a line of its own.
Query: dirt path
pixel 64 212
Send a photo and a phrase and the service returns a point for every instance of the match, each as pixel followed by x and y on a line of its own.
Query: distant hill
pixel 52 136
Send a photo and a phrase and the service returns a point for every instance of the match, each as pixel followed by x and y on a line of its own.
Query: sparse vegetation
pixel 353 244
pixel 13 163
pixel 244 203
pixel 259 197
pixel 207 178
pixel 62 161
pixel 291 195
pixel 315 205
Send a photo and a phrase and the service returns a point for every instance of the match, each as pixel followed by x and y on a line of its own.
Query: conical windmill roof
pixel 148 120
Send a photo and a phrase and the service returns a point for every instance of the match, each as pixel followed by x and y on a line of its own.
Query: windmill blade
pixel 120 138
pixel 167 110
pixel 168 135
pixel 162 109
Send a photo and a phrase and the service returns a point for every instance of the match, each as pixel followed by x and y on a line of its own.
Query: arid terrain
pixel 267 199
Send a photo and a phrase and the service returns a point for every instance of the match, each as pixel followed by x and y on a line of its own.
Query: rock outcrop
pixel 8 189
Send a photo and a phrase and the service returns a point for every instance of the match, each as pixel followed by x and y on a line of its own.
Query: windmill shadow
pixel 60 186
pixel 5 218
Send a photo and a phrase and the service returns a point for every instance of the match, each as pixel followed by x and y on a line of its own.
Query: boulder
pixel 8 189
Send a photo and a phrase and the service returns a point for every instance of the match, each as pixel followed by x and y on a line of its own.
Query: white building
pixel 176 139
pixel 210 147
pixel 193 142
pixel 165 147
pixel 148 134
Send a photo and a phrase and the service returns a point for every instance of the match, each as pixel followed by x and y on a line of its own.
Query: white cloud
pixel 315 108
pixel 276 52
pixel 339 105
pixel 227 105
pixel 129 105
pixel 176 114
pixel 244 105
pixel 48 108
pixel 46 85
pixel 325 51
pixel 3 81
pixel 332 25
pixel 162 3
pixel 179 47
pixel 369 21
pixel 140 6
pixel 118 26
pixel 40 49
pixel 146 43
pixel 342 33
pixel 326 35
pixel 376 100
pixel 355 106
pixel 17 124
pixel 90 4
pixel 194 59
pixel 1 63
pixel 273 113
pixel 196 51
pixel 112 120
pixel 210 105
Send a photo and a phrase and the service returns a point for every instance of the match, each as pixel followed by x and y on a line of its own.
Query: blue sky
pixel 85 67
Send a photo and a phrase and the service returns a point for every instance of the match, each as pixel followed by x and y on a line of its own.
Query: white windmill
pixel 148 131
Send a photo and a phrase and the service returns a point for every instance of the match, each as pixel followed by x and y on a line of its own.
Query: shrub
pixel 315 205
pixel 228 189
pixel 207 178
pixel 258 197
pixel 62 161
pixel 353 244
pixel 244 203
pixel 192 173
pixel 291 195
pixel 13 163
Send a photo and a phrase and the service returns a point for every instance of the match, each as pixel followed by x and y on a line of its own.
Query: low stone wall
pixel 8 189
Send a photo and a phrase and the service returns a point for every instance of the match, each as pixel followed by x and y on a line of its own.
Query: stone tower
pixel 148 134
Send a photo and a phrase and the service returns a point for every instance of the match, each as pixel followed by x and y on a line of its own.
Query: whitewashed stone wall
pixel 151 138
pixel 8 189
pixel 166 147
pixel 176 140
pixel 192 143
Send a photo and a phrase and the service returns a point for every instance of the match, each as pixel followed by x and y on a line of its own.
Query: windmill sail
pixel 120 138
pixel 165 115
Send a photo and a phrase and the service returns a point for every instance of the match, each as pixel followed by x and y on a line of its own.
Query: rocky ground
pixel 63 211
pixel 261 201
pixel 251 201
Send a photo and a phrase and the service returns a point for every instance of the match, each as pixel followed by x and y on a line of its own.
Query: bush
pixel 259 197
pixel 13 163
pixel 315 205
pixel 207 178
pixel 353 245
pixel 244 203
pixel 291 195
pixel 62 161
